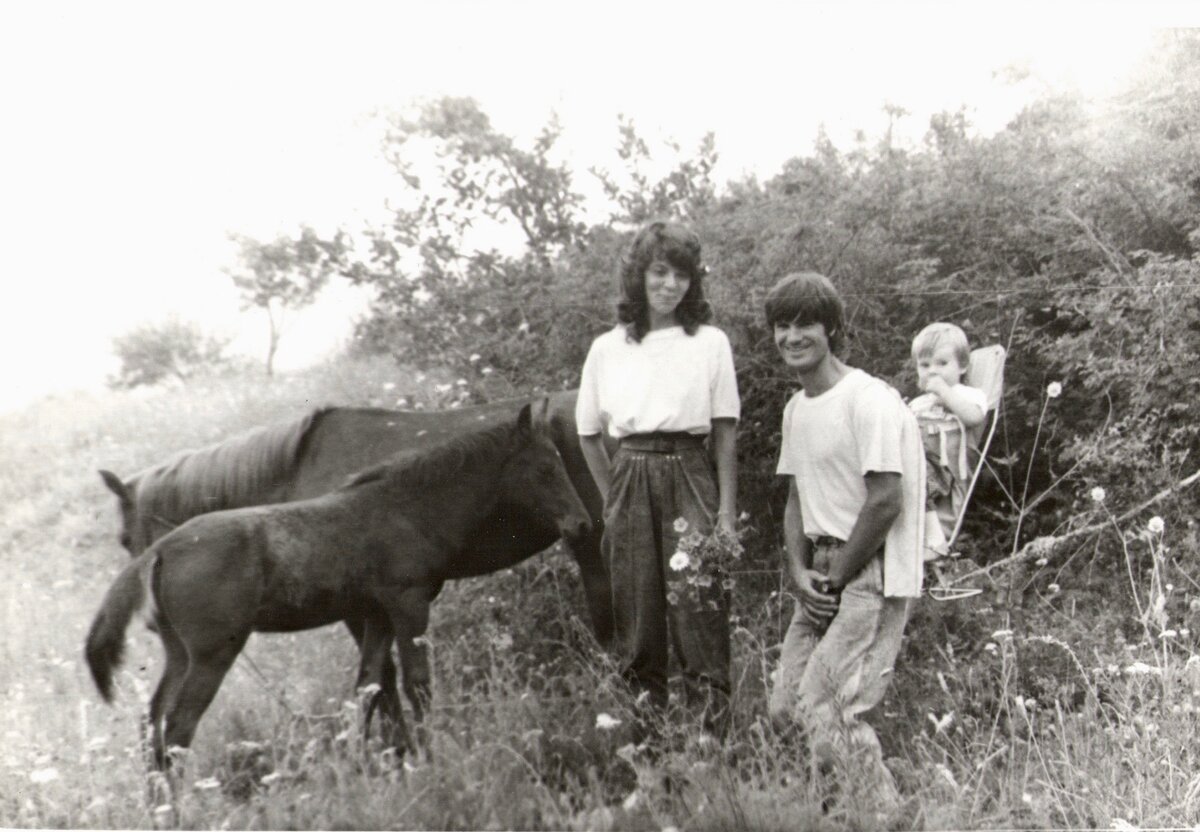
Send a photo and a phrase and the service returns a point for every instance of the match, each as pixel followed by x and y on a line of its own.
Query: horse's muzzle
pixel 575 529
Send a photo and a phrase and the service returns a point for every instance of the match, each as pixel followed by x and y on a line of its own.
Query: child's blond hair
pixel 929 338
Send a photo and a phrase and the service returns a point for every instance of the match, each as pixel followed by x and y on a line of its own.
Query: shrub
pixel 173 349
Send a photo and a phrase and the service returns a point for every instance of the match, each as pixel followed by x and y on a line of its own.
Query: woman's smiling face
pixel 665 287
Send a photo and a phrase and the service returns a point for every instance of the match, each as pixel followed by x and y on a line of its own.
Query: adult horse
pixel 313 455
pixel 370 549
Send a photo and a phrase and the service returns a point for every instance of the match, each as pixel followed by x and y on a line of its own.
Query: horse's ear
pixel 543 411
pixel 525 421
pixel 115 485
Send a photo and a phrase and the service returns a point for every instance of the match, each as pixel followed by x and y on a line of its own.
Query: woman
pixel 662 382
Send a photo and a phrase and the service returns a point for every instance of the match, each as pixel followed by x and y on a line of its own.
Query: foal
pixel 373 548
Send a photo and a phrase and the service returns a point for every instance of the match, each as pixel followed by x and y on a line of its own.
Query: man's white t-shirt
pixel 671 381
pixel 832 440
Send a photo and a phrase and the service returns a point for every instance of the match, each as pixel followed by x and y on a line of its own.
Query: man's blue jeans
pixel 827 680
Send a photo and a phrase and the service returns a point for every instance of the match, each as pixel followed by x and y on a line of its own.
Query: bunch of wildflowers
pixel 701 568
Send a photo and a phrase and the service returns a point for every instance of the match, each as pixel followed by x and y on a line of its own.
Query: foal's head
pixel 534 478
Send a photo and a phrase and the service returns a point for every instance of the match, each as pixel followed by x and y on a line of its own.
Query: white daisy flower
pixel 605 722
pixel 43 775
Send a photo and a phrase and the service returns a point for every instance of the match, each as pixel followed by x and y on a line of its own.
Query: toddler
pixel 945 411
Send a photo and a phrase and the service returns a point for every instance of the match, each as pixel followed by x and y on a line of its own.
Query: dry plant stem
pixel 1043 546
pixel 1029 471
pixel 1120 266
pixel 1027 508
pixel 1129 571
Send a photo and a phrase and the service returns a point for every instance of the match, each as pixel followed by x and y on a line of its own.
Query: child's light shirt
pixel 943 433
pixel 671 381
pixel 831 441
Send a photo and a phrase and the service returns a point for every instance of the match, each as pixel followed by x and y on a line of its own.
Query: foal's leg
pixel 174 670
pixel 376 667
pixel 204 676
pixel 386 675
pixel 411 617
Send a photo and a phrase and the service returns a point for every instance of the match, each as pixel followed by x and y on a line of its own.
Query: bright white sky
pixel 137 134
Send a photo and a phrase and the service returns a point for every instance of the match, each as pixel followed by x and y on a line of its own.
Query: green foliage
pixel 173 349
pixel 286 273
pixel 1065 236
pixel 1135 361
pixel 681 194
pixel 1081 715
pixel 1071 236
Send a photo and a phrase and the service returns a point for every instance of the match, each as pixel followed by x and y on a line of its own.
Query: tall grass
pixel 1082 714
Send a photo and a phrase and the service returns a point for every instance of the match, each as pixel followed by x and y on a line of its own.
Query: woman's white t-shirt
pixel 671 381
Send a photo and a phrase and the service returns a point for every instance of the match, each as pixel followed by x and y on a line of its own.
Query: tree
pixel 172 349
pixel 486 263
pixel 1070 236
pixel 682 194
pixel 284 274
pixel 467 261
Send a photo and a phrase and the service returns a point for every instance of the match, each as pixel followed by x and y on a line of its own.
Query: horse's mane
pixel 436 465
pixel 240 471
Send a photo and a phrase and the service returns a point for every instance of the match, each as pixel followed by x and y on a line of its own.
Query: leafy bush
pixel 1063 236
pixel 173 349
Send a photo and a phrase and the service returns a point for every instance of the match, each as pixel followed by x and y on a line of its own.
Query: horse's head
pixel 128 508
pixel 535 479
pixel 140 526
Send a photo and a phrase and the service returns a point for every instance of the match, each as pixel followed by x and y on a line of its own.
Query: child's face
pixel 940 362
pixel 665 287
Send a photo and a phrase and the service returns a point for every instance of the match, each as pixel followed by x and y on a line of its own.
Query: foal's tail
pixel 106 638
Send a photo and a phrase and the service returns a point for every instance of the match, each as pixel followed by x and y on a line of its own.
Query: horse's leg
pixel 411 623
pixel 198 687
pixel 384 670
pixel 174 670
pixel 376 667
pixel 409 612
pixel 597 586
pixel 387 676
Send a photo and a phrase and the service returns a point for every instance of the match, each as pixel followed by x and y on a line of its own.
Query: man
pixel 852 529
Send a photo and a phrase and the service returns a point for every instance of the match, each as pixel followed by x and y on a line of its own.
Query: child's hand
pixel 936 385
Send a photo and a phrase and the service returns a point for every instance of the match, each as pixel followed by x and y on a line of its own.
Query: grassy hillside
pixel 1080 711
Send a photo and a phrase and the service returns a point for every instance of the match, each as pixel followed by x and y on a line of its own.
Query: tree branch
pixel 1122 266
pixel 1043 546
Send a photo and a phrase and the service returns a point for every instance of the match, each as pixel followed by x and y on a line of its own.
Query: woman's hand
pixel 598 463
pixel 725 523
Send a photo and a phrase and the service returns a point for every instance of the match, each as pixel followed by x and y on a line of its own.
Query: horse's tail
pixel 106 638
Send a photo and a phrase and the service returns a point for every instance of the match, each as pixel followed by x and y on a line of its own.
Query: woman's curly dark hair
pixel 680 247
